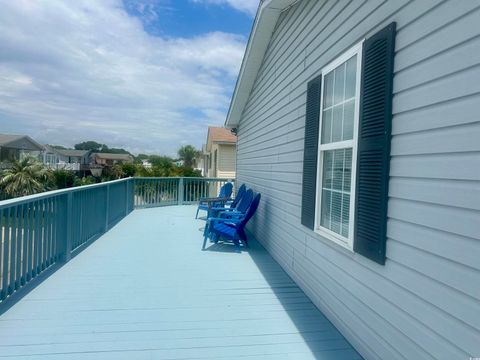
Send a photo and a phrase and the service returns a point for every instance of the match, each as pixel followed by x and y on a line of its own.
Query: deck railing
pixel 154 192
pixel 43 231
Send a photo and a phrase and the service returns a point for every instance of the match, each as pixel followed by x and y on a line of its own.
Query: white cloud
pixel 248 6
pixel 78 70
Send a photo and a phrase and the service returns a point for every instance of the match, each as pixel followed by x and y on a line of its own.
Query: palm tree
pixel 25 177
pixel 189 155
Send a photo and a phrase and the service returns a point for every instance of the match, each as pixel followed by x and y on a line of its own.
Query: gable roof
pixel 72 152
pixel 262 31
pixel 220 134
pixel 18 142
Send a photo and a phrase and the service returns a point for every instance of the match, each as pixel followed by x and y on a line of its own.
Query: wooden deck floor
pixel 145 291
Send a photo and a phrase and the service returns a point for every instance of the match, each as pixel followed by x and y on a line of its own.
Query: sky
pixel 145 75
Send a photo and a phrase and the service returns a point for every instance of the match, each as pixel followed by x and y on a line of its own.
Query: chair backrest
pixel 251 210
pixel 226 190
pixel 241 191
pixel 245 201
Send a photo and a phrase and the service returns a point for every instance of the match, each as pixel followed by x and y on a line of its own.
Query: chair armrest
pixel 218 220
pixel 214 199
pixel 231 214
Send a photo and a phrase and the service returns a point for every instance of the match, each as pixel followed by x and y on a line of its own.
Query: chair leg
pixel 204 242
pixel 237 246
pixel 196 216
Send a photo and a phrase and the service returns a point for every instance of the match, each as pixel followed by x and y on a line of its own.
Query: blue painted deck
pixel 144 290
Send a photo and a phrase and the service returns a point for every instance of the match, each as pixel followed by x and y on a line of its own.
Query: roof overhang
pixel 267 16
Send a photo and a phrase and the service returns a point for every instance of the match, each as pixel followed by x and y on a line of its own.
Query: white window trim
pixel 324 232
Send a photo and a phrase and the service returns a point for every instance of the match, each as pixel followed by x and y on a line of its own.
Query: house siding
pixel 425 302
pixel 226 161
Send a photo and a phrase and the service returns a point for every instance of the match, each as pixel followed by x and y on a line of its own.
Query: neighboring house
pixel 372 205
pixel 146 164
pixel 66 159
pixel 50 156
pixel 81 157
pixel 15 147
pixel 219 153
pixel 108 159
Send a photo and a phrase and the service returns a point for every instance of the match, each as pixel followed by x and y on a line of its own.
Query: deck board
pixel 144 290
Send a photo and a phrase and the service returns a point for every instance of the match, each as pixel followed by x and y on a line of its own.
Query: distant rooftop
pixel 220 134
pixel 110 156
pixel 8 139
pixel 69 152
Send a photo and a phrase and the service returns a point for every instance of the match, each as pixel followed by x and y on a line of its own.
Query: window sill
pixel 331 236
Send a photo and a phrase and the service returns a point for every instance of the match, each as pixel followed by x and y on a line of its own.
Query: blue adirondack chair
pixel 240 203
pixel 240 192
pixel 229 213
pixel 224 195
pixel 232 229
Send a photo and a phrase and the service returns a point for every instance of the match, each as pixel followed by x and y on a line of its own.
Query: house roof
pixel 69 152
pixel 220 135
pixel 110 156
pixel 262 31
pixel 18 142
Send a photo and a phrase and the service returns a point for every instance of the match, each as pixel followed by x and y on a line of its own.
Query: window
pixel 346 157
pixel 337 147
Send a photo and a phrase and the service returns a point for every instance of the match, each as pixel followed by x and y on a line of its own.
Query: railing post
pixel 68 228
pixel 107 206
pixel 180 191
pixel 127 197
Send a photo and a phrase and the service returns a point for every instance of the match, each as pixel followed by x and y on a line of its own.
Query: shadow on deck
pixel 144 290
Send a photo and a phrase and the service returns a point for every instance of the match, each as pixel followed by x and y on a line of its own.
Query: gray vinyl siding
pixel 226 159
pixel 425 302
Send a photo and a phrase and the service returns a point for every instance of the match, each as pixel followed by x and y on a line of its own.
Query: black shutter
pixel 373 161
pixel 310 152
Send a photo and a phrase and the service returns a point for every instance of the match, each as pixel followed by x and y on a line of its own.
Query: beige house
pixel 219 155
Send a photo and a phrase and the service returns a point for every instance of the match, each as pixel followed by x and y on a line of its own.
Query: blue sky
pixel 186 18
pixel 146 75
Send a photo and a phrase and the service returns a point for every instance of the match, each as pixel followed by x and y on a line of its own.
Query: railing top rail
pixel 29 198
pixel 47 194
pixel 183 177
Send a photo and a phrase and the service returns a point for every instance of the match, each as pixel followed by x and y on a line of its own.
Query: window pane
pixel 337 123
pixel 336 212
pixel 345 214
pixel 348 116
pixel 325 214
pixel 347 170
pixel 327 169
pixel 339 86
pixel 336 182
pixel 328 90
pixel 350 80
pixel 338 158
pixel 327 126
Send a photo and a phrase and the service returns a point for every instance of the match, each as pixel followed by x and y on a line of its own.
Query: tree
pixel 100 148
pixel 26 177
pixel 59 147
pixel 162 166
pixel 90 145
pixel 189 155
pixel 63 178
